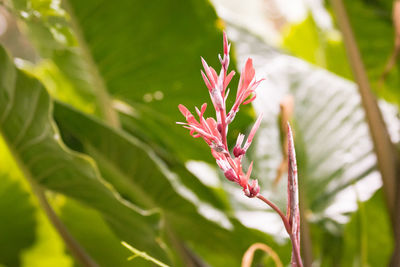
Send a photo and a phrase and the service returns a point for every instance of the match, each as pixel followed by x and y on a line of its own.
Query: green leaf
pixel 26 126
pixel 318 46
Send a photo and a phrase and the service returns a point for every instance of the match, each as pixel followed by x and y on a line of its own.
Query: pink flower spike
pixel 253 132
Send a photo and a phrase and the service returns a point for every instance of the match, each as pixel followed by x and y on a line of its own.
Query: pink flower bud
pixel 230 175
pixel 238 151
pixel 252 189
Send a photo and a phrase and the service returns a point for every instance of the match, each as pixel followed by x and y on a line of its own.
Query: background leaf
pixel 374 33
pixel 31 136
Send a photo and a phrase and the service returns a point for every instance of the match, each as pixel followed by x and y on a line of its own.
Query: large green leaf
pixel 30 134
pixel 141 177
pixel 323 47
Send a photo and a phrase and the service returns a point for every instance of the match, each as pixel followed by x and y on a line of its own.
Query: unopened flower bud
pixel 230 175
pixel 252 190
pixel 238 151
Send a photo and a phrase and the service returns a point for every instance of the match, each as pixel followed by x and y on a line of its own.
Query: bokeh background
pixel 89 141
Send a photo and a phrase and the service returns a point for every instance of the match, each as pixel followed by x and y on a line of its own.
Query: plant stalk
pixel 296 251
pixel 387 156
pixel 76 250
pixel 384 149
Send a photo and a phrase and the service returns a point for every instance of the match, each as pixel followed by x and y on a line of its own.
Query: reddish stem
pixel 298 262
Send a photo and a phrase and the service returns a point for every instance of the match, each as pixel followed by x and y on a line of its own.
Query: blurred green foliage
pixel 126 179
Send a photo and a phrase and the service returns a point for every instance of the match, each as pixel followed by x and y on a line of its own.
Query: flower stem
pixel 296 251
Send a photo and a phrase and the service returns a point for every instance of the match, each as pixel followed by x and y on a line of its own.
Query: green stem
pixel 144 255
pixel 76 250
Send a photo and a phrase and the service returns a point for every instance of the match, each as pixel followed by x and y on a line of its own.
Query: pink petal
pixel 228 79
pixel 214 73
pixel 247 177
pixel 206 80
pixel 203 109
pixel 248 73
pixel 183 110
pixel 249 101
pixel 253 132
pixel 208 72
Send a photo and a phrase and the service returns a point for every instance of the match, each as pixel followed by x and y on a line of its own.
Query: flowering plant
pixel 214 133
